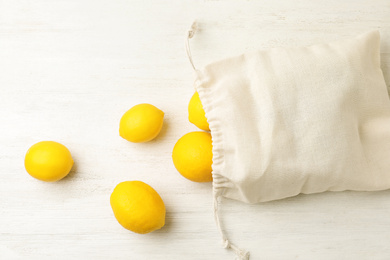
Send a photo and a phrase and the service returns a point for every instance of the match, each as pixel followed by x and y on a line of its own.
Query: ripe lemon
pixel 138 207
pixel 48 161
pixel 196 114
pixel 192 156
pixel 141 123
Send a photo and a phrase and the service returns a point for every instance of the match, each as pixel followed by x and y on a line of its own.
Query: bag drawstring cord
pixel 241 254
pixel 189 35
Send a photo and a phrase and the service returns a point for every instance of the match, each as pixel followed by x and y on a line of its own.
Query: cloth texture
pixel 298 120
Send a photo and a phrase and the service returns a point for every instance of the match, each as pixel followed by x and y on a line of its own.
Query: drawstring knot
pixel 192 30
pixel 225 243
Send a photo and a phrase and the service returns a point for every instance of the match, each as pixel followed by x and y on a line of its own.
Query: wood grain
pixel 70 69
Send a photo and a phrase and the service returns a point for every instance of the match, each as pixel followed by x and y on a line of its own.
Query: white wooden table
pixel 70 69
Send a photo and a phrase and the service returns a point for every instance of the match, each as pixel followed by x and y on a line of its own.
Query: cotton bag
pixel 297 120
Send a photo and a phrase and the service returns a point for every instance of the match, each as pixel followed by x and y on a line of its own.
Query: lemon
pixel 138 207
pixel 192 156
pixel 196 114
pixel 141 123
pixel 48 161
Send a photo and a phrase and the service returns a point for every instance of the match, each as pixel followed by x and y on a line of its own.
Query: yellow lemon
pixel 138 207
pixel 48 161
pixel 192 156
pixel 141 123
pixel 196 114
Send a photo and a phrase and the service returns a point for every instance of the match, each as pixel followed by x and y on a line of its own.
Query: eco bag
pixel 286 121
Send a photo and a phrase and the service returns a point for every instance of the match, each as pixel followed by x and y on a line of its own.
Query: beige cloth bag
pixel 297 120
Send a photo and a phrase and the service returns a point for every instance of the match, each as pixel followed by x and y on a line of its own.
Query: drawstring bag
pixel 286 121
